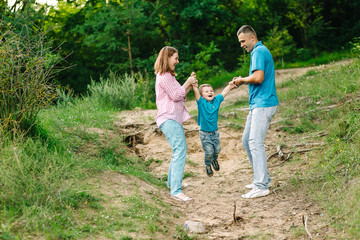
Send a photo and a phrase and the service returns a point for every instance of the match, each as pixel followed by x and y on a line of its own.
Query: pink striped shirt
pixel 170 98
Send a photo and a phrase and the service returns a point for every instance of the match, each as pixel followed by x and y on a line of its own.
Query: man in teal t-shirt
pixel 263 103
pixel 208 113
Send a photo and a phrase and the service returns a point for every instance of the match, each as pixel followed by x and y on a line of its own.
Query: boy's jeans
pixel 257 125
pixel 175 135
pixel 211 145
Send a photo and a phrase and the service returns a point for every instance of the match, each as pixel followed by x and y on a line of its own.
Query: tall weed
pixel 145 91
pixel 115 92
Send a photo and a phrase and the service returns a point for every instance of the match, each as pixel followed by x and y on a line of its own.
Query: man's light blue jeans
pixel 211 145
pixel 257 125
pixel 175 135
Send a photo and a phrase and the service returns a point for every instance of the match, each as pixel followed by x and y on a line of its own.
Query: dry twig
pixel 234 215
pixel 288 154
pixel 304 219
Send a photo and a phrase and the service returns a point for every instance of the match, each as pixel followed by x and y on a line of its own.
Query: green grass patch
pixel 43 179
pixel 322 58
pixel 328 100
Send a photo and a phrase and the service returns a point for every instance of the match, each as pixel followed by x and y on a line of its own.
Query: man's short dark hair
pixel 246 29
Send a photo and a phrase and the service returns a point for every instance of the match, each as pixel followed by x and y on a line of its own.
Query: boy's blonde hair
pixel 202 86
pixel 162 61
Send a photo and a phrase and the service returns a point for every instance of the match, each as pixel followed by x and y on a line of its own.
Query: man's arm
pixel 256 78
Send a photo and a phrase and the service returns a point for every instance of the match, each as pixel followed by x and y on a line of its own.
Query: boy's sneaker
pixel 215 165
pixel 209 171
pixel 256 192
pixel 251 186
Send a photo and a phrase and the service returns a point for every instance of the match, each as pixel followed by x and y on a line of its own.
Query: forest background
pixel 90 39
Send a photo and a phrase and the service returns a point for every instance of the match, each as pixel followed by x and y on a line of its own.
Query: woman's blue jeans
pixel 257 125
pixel 175 135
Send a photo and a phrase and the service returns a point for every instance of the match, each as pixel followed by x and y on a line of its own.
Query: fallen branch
pixel 323 108
pixel 288 154
pixel 305 150
pixel 308 144
pixel 304 219
pixel 319 134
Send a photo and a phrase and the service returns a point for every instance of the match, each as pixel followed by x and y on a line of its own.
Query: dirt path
pixel 277 216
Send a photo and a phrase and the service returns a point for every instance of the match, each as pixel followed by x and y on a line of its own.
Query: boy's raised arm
pixel 196 91
pixel 228 88
pixel 195 88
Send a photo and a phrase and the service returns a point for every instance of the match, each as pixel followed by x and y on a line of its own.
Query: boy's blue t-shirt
pixel 263 94
pixel 208 113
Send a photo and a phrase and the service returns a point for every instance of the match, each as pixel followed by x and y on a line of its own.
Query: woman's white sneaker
pixel 256 192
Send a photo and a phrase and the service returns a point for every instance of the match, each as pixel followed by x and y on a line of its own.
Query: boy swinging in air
pixel 208 112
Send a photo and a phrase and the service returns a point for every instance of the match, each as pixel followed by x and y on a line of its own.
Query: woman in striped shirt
pixel 170 98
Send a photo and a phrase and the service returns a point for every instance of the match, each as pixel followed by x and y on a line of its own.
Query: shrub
pixel 26 68
pixel 355 47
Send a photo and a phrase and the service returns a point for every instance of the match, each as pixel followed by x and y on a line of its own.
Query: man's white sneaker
pixel 256 192
pixel 251 186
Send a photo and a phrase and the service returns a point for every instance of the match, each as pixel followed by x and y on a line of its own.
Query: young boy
pixel 208 112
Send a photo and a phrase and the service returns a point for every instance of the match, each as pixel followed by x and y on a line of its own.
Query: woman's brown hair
pixel 162 61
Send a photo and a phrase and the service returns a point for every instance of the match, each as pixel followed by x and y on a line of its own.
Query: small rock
pixel 196 227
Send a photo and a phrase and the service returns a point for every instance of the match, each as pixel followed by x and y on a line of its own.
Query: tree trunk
pixel 130 58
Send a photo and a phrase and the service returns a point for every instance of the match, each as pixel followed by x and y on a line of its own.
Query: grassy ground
pixel 329 101
pixel 44 180
pixel 323 58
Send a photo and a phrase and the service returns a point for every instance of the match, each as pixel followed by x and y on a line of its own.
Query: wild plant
pixel 116 91
pixel 26 69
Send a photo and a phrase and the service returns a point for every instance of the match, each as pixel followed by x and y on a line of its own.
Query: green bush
pixel 355 47
pixel 26 68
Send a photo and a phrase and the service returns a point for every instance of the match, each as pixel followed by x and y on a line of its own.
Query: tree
pixel 279 42
pixel 305 15
pixel 98 37
pixel 115 27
